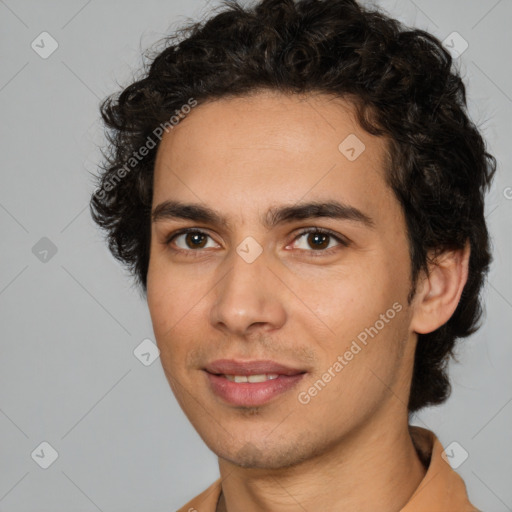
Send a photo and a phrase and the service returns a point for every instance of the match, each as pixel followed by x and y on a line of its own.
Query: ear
pixel 439 292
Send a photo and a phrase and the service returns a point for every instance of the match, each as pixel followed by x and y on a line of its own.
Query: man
pixel 298 190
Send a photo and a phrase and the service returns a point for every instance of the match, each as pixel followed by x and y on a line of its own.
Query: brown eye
pixel 318 240
pixel 191 240
pixel 195 240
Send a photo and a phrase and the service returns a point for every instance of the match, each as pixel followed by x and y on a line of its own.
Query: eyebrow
pixel 169 210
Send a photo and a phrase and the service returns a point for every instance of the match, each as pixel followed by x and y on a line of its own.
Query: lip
pixel 255 367
pixel 248 394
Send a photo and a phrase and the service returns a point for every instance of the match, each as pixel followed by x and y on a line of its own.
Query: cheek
pixel 354 377
pixel 166 307
pixel 346 301
pixel 361 317
pixel 172 295
pixel 177 302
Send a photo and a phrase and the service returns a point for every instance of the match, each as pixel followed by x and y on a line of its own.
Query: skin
pixel 241 157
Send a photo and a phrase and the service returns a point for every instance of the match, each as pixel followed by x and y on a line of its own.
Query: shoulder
pixel 206 501
pixel 444 488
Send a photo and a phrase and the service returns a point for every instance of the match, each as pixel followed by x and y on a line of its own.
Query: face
pixel 281 315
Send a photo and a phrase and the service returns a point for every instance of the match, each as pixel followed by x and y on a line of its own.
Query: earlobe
pixel 440 292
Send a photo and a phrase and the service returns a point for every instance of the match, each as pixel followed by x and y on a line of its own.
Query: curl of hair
pixel 403 87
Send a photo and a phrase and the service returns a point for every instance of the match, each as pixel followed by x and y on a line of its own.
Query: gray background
pixel 70 321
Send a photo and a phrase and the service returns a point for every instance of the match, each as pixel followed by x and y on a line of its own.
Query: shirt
pixel 441 490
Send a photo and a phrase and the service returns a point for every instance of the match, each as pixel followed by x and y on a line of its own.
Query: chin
pixel 254 455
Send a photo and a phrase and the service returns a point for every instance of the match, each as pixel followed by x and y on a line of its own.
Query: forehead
pixel 247 152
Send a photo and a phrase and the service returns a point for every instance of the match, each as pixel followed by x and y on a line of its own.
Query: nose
pixel 248 298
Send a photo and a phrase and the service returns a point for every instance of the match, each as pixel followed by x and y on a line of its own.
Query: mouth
pixel 250 383
pixel 262 377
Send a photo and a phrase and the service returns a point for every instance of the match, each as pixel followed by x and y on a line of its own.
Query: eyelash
pixel 315 253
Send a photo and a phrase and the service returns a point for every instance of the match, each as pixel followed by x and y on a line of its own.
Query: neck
pixel 371 469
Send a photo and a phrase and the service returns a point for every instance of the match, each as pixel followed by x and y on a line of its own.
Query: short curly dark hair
pixel 403 87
